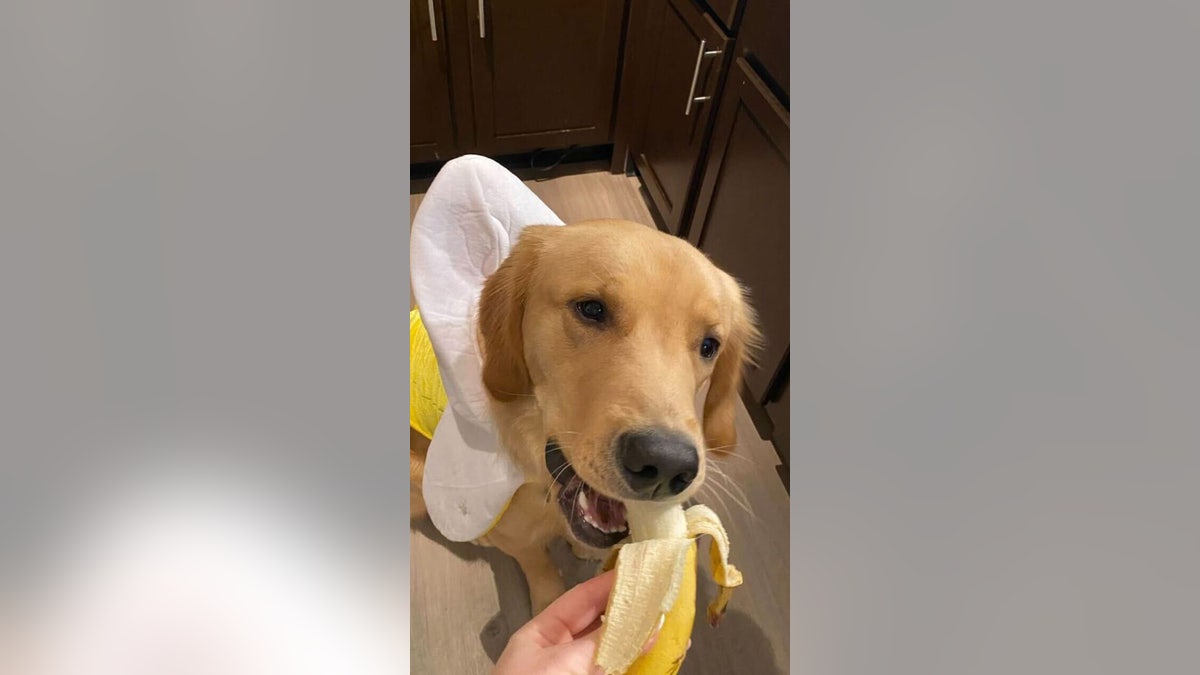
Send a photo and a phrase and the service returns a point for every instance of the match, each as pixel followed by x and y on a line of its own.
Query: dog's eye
pixel 591 310
pixel 709 347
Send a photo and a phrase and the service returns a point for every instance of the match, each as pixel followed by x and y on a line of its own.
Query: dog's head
pixel 612 328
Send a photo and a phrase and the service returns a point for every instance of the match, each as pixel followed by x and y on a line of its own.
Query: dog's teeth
pixel 581 500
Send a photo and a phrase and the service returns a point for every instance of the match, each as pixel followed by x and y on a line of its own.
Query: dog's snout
pixel 657 464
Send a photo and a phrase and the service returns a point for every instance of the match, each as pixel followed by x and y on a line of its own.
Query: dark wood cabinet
pixel 682 66
pixel 718 174
pixel 431 125
pixel 741 218
pixel 513 77
pixel 544 73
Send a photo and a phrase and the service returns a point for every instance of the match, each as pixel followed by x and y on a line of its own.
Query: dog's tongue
pixel 609 512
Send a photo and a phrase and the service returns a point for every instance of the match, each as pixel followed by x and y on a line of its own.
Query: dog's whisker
pixel 554 479
pixel 717 486
pixel 730 483
pixel 719 500
pixel 571 521
pixel 560 471
pixel 727 485
pixel 736 500
pixel 732 455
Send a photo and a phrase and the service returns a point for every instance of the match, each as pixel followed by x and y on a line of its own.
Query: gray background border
pixel 202 232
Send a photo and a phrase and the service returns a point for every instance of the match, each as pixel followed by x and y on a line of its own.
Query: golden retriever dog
pixel 597 339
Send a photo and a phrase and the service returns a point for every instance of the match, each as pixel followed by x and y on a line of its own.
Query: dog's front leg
pixel 525 532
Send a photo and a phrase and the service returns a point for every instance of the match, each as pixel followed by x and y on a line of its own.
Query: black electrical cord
pixel 533 161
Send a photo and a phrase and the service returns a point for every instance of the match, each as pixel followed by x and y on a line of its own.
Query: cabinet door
pixel 741 218
pixel 544 72
pixel 684 75
pixel 431 126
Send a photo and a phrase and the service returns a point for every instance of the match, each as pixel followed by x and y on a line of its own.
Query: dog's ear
pixel 737 352
pixel 501 311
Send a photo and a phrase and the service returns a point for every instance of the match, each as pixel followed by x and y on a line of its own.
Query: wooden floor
pixel 467 600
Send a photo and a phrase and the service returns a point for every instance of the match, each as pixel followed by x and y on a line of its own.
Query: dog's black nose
pixel 657 464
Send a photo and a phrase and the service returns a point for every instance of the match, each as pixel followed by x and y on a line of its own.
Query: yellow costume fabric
pixel 427 398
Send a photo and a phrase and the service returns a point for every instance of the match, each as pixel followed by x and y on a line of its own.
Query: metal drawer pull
pixel 692 98
pixel 432 22
pixel 482 30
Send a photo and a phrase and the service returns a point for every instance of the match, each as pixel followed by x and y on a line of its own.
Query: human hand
pixel 562 640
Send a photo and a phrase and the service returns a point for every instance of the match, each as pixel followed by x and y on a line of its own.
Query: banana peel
pixel 655 588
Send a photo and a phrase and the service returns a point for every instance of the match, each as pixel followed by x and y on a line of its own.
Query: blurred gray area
pixel 202 242
pixel 998 364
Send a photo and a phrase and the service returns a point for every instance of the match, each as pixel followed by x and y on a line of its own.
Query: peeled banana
pixel 655 587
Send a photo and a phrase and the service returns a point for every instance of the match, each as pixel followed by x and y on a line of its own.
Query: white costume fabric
pixel 465 227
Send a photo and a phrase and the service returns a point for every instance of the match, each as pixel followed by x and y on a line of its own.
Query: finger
pixel 577 656
pixel 576 610
pixel 582 650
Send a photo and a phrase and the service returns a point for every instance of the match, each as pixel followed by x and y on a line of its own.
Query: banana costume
pixel 426 396
pixel 468 222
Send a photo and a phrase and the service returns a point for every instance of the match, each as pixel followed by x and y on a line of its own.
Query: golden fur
pixel 552 376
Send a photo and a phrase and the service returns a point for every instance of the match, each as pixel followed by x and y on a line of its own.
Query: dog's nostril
pixel 680 482
pixel 657 464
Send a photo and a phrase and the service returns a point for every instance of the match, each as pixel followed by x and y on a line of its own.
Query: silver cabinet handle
pixel 692 98
pixel 432 22
pixel 482 29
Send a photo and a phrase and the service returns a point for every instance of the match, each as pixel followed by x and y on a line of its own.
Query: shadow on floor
pixel 737 645
pixel 512 593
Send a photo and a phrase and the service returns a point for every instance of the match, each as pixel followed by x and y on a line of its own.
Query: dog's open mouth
pixel 594 519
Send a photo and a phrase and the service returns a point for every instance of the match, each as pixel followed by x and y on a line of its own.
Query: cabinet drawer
pixel 685 74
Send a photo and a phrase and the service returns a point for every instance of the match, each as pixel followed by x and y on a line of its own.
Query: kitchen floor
pixel 466 600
